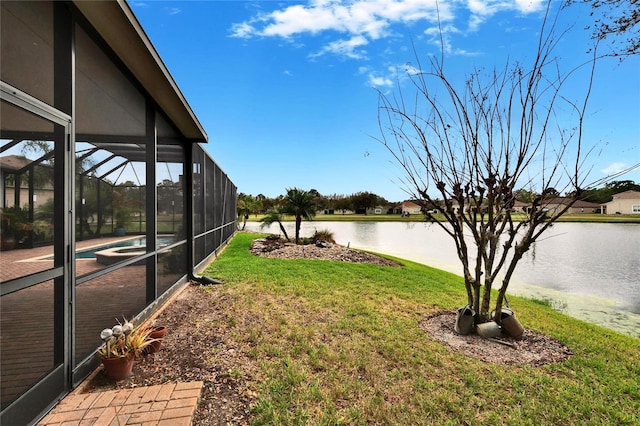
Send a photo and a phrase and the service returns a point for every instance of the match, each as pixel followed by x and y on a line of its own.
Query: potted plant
pixel 122 209
pixel 14 227
pixel 120 346
pixel 7 234
pixel 120 216
pixel 157 333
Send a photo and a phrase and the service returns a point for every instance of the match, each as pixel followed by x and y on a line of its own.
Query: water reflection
pixel 589 271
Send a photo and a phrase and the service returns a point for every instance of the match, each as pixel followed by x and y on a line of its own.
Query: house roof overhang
pixel 121 30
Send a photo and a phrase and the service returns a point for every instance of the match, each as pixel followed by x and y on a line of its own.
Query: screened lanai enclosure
pixel 109 202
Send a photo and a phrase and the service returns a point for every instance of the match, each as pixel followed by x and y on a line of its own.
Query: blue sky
pixel 286 90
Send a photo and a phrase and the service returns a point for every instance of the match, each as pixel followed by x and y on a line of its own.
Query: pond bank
pixel 588 271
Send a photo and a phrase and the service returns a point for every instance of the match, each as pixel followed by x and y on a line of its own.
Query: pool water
pixel 142 241
pixel 91 253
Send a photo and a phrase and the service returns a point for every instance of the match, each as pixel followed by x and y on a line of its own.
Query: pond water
pixel 590 271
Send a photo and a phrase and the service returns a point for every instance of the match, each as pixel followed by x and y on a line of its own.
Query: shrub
pixel 323 235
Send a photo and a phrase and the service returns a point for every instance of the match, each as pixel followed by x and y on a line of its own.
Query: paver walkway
pixel 162 405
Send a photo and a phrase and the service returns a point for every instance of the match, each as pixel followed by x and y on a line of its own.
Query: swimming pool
pixel 90 253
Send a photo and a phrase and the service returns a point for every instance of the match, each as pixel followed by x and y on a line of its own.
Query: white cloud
pixel 409 69
pixel 362 21
pixel 348 48
pixel 482 10
pixel 299 19
pixel 379 81
pixel 614 168
pixel 243 30
pixel 528 6
pixel 491 7
pixel 365 18
pixel 474 22
pixel 174 11
pixel 386 78
pixel 441 36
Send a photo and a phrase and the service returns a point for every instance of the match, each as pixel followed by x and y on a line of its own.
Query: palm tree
pixel 244 208
pixel 301 204
pixel 272 216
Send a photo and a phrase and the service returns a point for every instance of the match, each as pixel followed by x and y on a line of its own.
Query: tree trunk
pixel 284 231
pixel 298 223
pixel 486 299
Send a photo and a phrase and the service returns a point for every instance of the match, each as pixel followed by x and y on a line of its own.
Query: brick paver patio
pixel 27 316
pixel 20 262
pixel 170 404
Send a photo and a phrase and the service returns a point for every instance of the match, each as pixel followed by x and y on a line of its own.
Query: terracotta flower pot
pixel 7 243
pixel 118 368
pixel 157 333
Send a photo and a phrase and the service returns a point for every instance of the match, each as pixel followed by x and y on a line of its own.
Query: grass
pixel 339 343
pixel 582 217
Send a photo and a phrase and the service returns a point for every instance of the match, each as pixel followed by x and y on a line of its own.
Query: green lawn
pixel 339 343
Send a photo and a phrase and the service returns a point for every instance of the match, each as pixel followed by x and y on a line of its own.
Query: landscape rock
pixel 272 248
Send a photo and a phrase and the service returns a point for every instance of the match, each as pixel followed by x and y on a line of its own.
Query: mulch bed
pixel 532 348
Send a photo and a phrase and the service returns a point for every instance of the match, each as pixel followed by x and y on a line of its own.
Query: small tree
pixel 244 206
pixel 465 150
pixel 273 216
pixel 300 204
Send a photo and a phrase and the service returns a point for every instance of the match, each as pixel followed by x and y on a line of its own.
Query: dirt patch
pixel 194 350
pixel 532 348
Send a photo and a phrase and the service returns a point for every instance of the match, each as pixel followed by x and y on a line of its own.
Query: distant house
pixel 409 207
pixel 456 207
pixel 20 168
pixel 382 209
pixel 627 202
pixel 584 207
pixel 521 207
pixel 559 203
pixel 336 211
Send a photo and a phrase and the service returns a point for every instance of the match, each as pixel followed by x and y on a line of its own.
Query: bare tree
pixel 464 150
pixel 617 21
